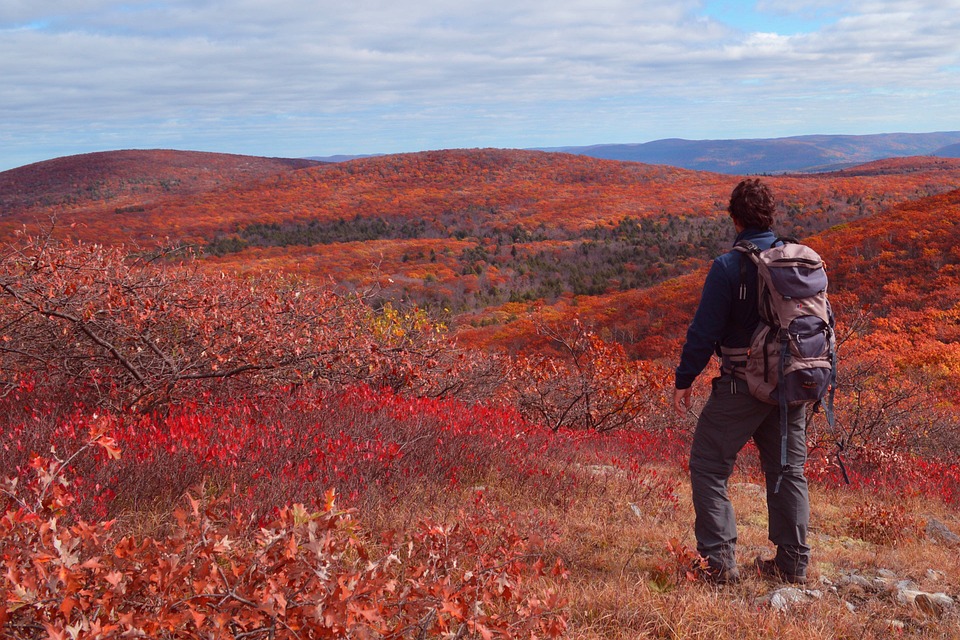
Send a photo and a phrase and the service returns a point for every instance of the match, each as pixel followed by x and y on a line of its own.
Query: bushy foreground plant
pixel 136 331
pixel 141 332
pixel 302 575
pixel 584 383
pixel 373 446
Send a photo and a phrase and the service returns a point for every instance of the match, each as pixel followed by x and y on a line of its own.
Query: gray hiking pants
pixel 731 417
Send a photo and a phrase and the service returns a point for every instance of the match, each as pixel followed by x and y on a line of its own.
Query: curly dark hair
pixel 752 205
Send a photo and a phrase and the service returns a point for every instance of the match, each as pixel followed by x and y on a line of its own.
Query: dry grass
pixel 615 551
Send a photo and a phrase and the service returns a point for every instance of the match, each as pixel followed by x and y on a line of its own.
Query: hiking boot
pixel 718 575
pixel 770 569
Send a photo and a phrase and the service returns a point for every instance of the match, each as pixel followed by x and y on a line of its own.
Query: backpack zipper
pixel 800 260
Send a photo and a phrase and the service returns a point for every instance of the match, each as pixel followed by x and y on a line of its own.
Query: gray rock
pixel 932 604
pixel 783 599
pixel 941 532
pixel 905 585
pixel 935 576
pixel 856 580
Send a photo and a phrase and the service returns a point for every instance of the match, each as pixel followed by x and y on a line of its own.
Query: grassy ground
pixel 625 583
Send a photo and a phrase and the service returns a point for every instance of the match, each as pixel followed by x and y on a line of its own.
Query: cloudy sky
pixel 321 77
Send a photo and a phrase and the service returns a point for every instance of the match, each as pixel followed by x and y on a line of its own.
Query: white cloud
pixel 378 75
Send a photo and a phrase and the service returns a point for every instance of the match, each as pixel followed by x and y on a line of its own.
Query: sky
pixel 298 78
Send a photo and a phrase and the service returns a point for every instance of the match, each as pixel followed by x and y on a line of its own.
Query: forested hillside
pixel 469 230
pixel 126 180
pixel 426 396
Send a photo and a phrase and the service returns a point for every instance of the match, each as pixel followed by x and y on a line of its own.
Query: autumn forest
pixel 426 396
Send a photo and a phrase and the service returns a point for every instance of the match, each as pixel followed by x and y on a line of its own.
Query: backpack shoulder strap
pixel 746 248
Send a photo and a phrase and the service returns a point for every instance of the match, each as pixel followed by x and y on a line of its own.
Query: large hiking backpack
pixel 792 359
pixel 792 356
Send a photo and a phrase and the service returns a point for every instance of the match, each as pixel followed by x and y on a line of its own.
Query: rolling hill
pixel 482 233
pixel 479 232
pixel 118 178
pixel 897 270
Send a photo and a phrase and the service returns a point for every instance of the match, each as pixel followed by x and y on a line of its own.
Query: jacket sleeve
pixel 707 327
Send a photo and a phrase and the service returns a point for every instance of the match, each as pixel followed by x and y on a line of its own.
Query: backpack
pixel 792 357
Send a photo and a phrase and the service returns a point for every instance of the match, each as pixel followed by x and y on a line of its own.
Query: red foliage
pixel 579 381
pixel 305 574
pixel 371 446
pixel 267 393
pixel 142 331
pixel 127 180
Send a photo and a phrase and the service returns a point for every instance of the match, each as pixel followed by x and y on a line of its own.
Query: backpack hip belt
pixel 733 360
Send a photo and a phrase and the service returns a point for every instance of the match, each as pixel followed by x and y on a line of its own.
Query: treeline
pixel 512 263
pixel 314 232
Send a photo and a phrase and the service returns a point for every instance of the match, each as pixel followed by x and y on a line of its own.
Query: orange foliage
pixel 503 188
pixel 306 574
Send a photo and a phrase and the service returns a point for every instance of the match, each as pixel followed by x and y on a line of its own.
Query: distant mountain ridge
pixel 799 154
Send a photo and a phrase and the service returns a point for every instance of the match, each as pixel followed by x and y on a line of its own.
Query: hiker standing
pixel 724 323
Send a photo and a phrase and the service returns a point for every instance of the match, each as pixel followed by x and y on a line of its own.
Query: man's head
pixel 752 205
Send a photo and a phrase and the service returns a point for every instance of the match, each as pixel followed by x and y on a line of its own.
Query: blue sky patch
pixel 747 16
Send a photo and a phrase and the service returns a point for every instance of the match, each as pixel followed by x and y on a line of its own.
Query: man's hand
pixel 681 400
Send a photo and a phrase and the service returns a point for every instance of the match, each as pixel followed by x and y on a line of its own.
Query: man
pixel 724 323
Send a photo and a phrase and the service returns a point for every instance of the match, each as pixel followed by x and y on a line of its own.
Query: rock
pixel 856 580
pixel 941 532
pixel 932 604
pixel 905 585
pixel 928 605
pixel 783 599
pixel 935 576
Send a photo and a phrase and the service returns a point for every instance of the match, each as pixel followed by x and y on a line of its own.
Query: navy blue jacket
pixel 722 319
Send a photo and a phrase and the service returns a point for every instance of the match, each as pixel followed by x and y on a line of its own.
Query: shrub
pixel 305 574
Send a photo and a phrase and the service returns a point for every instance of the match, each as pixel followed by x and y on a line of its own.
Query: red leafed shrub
pixel 889 471
pixel 880 524
pixel 303 575
pixel 138 332
pixel 680 565
pixel 371 445
pixel 584 383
